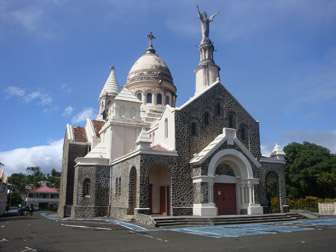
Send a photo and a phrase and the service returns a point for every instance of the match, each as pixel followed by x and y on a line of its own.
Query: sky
pixel 277 57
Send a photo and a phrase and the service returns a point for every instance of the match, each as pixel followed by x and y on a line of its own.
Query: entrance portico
pixel 228 186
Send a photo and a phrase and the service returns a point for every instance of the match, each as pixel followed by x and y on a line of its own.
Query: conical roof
pixel 126 95
pixel 277 151
pixel 111 86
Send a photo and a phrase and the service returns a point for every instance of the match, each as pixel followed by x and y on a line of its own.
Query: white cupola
pixel 278 152
pixel 152 83
pixel 110 90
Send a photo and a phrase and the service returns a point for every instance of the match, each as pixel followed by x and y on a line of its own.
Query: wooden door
pixel 164 200
pixel 150 197
pixel 225 198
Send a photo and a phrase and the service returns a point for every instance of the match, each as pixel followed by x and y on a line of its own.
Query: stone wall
pixel 70 152
pixel 96 203
pixel 279 169
pixel 120 194
pixel 219 104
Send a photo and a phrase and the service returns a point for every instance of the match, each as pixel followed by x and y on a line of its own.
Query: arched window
pixel 86 187
pixel 119 189
pixel 206 118
pixel 139 96
pixel 116 186
pixel 149 98
pixel 193 129
pixel 232 120
pixel 159 99
pixel 166 128
pixel 167 100
pixel 243 133
pixel 218 109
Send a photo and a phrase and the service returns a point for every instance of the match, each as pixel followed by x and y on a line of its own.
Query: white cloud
pixel 82 116
pixel 47 157
pixel 33 17
pixel 14 91
pixel 67 111
pixel 66 88
pixel 43 98
pixel 324 138
pixel 266 150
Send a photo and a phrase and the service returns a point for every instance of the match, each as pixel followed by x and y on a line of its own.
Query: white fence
pixel 327 208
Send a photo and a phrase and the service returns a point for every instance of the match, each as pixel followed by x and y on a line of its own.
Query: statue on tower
pixel 205 24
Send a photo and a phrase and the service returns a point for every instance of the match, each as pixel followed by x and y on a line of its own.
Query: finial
pixel 112 68
pixel 150 48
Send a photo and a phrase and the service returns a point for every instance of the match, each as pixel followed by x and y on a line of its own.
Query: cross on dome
pixel 150 48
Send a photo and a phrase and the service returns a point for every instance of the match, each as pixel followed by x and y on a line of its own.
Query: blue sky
pixel 278 58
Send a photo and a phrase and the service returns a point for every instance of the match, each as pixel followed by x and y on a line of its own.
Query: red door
pixel 150 197
pixel 164 200
pixel 225 198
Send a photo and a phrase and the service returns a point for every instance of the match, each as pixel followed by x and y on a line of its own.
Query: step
pixel 199 221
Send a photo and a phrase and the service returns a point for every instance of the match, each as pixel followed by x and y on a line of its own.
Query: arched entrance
pixel 228 187
pixel 272 192
pixel 132 191
pixel 159 191
pixel 225 193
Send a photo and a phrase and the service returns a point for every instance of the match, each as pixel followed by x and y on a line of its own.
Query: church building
pixel 142 155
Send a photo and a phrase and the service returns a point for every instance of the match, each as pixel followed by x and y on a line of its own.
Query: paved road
pixel 38 233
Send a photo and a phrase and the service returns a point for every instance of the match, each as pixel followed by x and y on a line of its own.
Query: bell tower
pixel 207 71
pixel 110 90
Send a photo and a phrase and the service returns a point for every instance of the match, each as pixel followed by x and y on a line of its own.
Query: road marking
pixel 3 240
pixel 86 227
pixel 92 222
pixel 28 249
pixel 148 236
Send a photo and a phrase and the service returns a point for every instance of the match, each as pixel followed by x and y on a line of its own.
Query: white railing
pixel 327 208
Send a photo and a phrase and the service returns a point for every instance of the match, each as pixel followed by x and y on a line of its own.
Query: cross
pixel 151 37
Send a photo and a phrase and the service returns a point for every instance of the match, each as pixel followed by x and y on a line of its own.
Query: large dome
pixel 149 67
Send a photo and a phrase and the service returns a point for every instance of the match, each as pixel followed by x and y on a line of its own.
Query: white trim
pixel 198 95
pixel 271 160
pixel 138 208
pixel 235 157
pixel 70 133
pixel 199 179
pixel 84 161
pixel 247 152
pixel 137 152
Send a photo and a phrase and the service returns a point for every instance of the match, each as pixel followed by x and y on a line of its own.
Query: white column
pixel 210 192
pixel 241 191
pixel 246 194
pixel 250 193
pixel 253 197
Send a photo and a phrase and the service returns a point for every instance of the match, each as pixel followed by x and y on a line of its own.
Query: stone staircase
pixel 152 116
pixel 177 221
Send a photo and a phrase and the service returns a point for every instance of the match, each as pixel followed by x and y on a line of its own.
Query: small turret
pixel 110 90
pixel 278 152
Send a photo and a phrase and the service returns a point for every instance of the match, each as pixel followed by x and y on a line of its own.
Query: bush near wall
pixel 309 203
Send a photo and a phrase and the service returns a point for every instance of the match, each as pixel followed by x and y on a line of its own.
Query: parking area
pixel 37 233
pixel 240 230
pixel 237 230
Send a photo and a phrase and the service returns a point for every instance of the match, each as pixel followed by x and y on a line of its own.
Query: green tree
pixel 14 198
pixel 18 181
pixel 310 171
pixel 54 178
pixel 35 175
